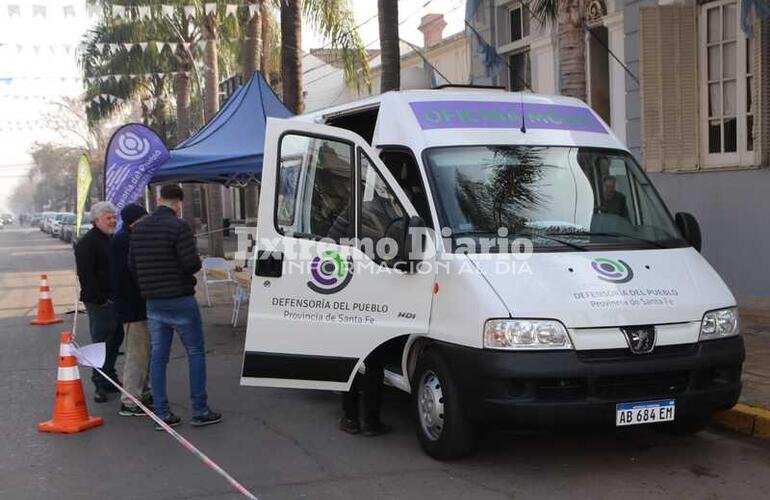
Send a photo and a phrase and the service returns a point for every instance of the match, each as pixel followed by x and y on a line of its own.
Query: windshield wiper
pixel 615 235
pixel 522 233
pixel 529 232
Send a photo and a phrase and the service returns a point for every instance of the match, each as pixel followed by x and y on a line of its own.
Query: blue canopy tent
pixel 229 148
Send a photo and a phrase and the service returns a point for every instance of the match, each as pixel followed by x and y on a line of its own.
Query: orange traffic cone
pixel 45 313
pixel 70 413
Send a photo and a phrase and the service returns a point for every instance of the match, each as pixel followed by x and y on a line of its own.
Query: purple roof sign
pixel 500 114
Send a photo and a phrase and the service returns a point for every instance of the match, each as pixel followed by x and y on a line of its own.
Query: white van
pixel 555 288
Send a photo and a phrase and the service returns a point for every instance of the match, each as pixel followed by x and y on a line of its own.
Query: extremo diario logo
pixel 330 273
pixel 612 271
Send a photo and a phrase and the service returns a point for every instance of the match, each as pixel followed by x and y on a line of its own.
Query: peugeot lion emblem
pixel 641 339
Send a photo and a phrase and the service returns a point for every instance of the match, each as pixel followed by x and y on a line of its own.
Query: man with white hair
pixel 92 257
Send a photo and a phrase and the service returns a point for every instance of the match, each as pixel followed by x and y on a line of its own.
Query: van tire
pixel 433 382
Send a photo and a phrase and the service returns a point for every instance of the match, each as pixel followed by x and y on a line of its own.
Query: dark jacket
pixel 163 256
pixel 92 257
pixel 125 290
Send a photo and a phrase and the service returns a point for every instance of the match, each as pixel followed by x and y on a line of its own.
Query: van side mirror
pixel 690 229
pixel 401 231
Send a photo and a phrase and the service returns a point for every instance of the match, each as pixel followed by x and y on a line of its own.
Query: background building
pixel 686 83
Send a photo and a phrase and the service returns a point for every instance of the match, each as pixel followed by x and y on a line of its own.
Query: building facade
pixel 685 83
pixel 440 60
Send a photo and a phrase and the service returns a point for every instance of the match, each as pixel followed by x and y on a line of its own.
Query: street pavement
pixel 284 444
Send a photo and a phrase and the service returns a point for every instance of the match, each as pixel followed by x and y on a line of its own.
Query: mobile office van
pixel 610 315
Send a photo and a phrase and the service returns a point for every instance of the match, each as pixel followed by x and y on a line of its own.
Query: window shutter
pixel 761 34
pixel 669 87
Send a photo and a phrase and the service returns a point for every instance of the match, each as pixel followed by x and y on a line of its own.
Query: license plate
pixel 644 412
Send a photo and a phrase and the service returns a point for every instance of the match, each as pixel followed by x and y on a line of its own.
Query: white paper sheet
pixel 91 355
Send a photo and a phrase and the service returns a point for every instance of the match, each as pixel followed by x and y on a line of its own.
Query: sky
pixel 38 65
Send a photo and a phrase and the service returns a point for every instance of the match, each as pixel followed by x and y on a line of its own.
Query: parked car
pixel 85 226
pixel 45 221
pixel 56 223
pixel 7 219
pixel 34 220
pixel 68 226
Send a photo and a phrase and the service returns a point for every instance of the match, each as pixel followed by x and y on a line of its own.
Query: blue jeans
pixel 105 327
pixel 164 316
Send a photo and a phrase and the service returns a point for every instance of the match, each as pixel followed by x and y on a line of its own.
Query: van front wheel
pixel 442 429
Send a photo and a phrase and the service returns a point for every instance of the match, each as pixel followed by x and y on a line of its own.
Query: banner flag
pixel 84 183
pixel 134 154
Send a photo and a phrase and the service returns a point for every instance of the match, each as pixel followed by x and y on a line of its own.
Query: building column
pixel 541 56
pixel 616 43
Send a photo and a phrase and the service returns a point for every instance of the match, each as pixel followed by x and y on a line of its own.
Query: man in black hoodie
pixel 132 313
pixel 92 257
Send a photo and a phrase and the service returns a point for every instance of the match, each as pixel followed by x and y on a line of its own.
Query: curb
pixel 745 419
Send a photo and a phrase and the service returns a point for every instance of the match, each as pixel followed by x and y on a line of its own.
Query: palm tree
pixel 390 78
pixel 252 51
pixel 568 16
pixel 333 20
pixel 253 55
pixel 291 60
pixel 211 106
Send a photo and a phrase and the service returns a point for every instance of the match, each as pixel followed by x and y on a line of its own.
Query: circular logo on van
pixel 330 273
pixel 612 271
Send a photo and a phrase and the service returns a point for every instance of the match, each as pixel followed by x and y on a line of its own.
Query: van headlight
pixel 720 324
pixel 525 334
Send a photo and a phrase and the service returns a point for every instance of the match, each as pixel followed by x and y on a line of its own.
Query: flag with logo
pixel 134 154
pixel 84 184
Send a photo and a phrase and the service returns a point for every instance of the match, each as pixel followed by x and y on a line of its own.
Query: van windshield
pixel 560 197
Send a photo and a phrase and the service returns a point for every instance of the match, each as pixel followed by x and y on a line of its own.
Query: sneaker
pixel 208 418
pixel 376 429
pixel 100 396
pixel 131 411
pixel 146 399
pixel 171 420
pixel 349 425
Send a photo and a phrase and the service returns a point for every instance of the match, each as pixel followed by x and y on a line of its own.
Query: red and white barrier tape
pixel 180 439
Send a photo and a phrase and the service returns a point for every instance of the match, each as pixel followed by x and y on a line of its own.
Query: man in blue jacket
pixel 132 313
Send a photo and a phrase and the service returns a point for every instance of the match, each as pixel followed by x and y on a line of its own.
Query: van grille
pixel 620 387
pixel 664 384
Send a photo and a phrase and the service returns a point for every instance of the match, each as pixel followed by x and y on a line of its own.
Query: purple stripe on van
pixel 496 114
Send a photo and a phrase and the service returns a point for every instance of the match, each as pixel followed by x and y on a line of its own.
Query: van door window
pixel 404 168
pixel 379 207
pixel 314 190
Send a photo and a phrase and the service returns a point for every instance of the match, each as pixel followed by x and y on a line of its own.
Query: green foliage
pixel 334 20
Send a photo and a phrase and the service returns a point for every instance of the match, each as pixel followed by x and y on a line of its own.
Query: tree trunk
pixel 252 60
pixel 160 110
pixel 211 106
pixel 572 49
pixel 182 93
pixel 266 38
pixel 252 53
pixel 291 55
pixel 390 78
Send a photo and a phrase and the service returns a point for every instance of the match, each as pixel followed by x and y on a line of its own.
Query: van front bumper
pixel 542 389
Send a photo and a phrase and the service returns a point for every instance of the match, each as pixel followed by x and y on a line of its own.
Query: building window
pixel 519 73
pixel 726 87
pixel 519 24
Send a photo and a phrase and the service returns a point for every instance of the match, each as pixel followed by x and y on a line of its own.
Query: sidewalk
pixel 752 414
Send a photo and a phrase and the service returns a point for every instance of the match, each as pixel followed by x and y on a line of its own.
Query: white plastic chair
pixel 218 264
pixel 240 296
